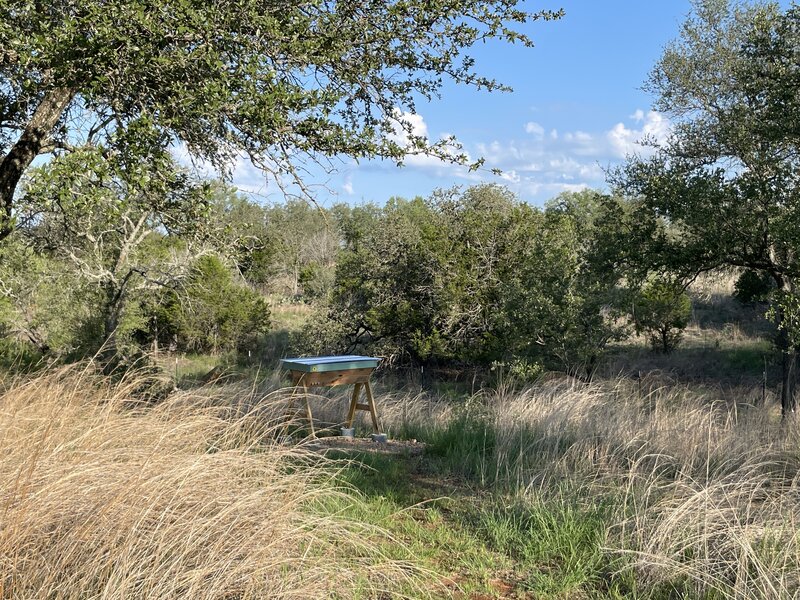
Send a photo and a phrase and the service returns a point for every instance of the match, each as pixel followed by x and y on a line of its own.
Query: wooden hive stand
pixel 327 371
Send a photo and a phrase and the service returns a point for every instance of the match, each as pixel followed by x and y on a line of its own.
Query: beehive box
pixel 330 370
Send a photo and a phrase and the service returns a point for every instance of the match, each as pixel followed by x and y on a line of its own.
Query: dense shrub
pixel 753 286
pixel 46 308
pixel 210 313
pixel 475 276
pixel 316 280
pixel 662 311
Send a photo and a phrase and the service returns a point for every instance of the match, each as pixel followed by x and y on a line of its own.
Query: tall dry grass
pixel 104 498
pixel 697 487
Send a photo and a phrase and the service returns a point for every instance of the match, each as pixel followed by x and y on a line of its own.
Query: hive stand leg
pixel 353 404
pixel 308 412
pixel 372 411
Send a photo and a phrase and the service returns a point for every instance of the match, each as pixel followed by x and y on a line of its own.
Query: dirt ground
pixel 345 444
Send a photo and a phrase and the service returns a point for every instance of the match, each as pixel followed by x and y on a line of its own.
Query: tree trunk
pixel 155 341
pixel 110 325
pixel 788 352
pixel 28 146
pixel 789 361
pixel 116 297
pixel 789 381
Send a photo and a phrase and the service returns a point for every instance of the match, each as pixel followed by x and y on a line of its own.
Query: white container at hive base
pixel 379 438
pixel 348 432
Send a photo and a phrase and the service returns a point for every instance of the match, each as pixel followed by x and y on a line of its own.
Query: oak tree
pixel 280 82
pixel 126 223
pixel 724 190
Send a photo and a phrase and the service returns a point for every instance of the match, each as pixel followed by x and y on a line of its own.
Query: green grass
pixel 712 357
pixel 463 447
pixel 460 514
pixel 428 516
pixel 489 544
pixel 555 546
pixel 287 315
pixel 188 370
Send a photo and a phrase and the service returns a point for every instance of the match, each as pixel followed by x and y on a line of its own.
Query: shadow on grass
pixel 403 479
pixel 707 361
pixel 722 311
pixel 487 541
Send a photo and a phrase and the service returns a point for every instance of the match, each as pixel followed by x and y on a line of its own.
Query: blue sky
pixel 576 109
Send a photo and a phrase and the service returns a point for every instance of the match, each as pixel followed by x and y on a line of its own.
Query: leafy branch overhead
pixel 281 82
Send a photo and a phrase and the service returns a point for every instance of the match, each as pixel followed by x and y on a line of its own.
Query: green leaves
pixel 562 299
pixel 725 189
pixel 476 276
pixel 725 185
pixel 211 313
pixel 662 310
pixel 253 76
pixel 282 83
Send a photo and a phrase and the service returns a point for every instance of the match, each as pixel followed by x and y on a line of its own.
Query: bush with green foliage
pixel 753 286
pixel 389 281
pixel 46 308
pixel 563 298
pixel 785 313
pixel 662 311
pixel 316 280
pixel 518 371
pixel 210 313
pixel 474 276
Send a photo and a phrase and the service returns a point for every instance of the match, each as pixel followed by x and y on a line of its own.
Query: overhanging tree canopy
pixel 280 81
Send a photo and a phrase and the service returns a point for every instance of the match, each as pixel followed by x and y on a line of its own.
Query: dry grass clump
pixel 737 534
pixel 698 488
pixel 100 498
pixel 703 491
pixel 715 283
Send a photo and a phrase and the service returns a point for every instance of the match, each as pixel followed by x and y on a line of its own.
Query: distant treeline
pixel 467 276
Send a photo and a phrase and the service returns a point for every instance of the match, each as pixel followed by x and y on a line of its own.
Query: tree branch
pixel 29 145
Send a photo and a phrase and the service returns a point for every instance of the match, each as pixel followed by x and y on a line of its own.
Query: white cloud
pixel 406 125
pixel 260 185
pixel 511 176
pixel 249 178
pixel 570 168
pixel 578 136
pixel 245 176
pixel 347 186
pixel 534 129
pixel 199 167
pixel 413 124
pixel 548 161
pixel 625 141
pixel 497 153
pixel 637 116
pixel 540 164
